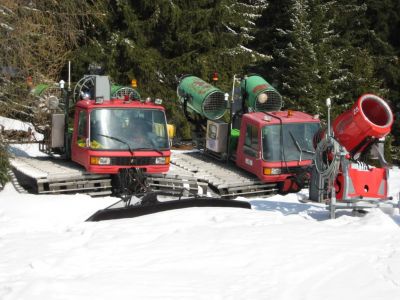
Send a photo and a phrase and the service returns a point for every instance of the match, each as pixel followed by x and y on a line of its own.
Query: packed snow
pixel 280 249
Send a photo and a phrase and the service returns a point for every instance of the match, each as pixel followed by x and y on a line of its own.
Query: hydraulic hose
pixel 327 158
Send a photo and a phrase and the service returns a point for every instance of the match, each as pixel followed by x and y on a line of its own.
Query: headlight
pixel 163 160
pixel 272 171
pixel 98 160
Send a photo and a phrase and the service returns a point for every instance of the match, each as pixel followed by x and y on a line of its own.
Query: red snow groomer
pixel 342 173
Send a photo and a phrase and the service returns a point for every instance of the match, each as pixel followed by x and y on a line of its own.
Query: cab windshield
pixel 288 142
pixel 128 129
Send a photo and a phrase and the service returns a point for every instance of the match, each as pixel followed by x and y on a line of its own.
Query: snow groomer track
pixel 192 171
pixel 224 179
pixel 53 176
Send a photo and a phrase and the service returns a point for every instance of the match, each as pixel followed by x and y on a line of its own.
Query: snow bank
pixel 12 124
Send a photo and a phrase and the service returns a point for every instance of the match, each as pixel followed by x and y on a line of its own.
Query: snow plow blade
pixel 132 211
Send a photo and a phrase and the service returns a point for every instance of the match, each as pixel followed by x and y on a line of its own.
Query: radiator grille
pixel 133 161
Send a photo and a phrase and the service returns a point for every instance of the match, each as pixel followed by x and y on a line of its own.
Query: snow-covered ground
pixel 12 124
pixel 281 249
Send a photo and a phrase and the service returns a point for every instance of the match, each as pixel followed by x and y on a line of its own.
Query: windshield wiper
pixel 129 147
pixel 298 146
pixel 118 140
pixel 150 149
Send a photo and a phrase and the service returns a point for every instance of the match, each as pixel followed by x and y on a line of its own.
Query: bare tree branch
pixel 36 40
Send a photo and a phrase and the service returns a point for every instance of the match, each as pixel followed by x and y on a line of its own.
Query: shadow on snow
pixel 314 211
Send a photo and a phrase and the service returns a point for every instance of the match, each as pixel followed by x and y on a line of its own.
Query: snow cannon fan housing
pixel 48 113
pixel 93 87
pixel 49 97
pixel 259 95
pixel 369 119
pixel 120 92
pixel 201 98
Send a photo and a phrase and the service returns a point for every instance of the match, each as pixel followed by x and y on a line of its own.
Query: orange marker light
pixel 215 76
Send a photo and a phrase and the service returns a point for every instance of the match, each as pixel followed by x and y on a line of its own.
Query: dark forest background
pixel 308 49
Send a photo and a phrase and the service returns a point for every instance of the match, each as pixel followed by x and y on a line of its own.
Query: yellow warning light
pixel 134 83
pixel 171 130
pixel 289 113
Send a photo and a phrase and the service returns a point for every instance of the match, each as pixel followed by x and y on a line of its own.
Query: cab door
pixel 249 149
pixel 80 145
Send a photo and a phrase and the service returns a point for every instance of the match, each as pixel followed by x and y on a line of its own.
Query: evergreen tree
pixel 384 43
pixel 315 55
pixel 157 41
pixel 299 74
pixel 339 49
pixel 296 38
pixel 359 62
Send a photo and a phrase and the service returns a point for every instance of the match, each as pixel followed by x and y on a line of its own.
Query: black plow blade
pixel 132 211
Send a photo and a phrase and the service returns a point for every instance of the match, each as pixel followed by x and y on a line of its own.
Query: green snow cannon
pixel 48 96
pixel 259 94
pixel 201 98
pixel 39 89
pixel 119 92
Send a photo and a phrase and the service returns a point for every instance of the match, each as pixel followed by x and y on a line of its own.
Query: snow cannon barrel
pixel 369 119
pixel 260 95
pixel 201 98
pixel 39 89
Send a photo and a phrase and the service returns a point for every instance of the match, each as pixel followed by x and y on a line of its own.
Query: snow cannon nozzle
pixel 368 120
pixel 259 94
pixel 201 98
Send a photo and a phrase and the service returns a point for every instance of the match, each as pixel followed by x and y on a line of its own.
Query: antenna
pixel 69 75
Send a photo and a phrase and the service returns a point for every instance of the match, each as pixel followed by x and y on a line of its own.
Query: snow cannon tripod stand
pixel 342 175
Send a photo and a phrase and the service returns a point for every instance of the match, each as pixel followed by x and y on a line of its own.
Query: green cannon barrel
pixel 39 89
pixel 119 91
pixel 260 95
pixel 202 98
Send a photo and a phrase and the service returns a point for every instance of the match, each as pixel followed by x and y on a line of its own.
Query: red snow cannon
pixel 369 119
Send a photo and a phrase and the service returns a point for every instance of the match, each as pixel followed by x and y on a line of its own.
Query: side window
pixel 82 129
pixel 251 141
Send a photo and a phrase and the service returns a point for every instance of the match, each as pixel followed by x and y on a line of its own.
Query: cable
pixel 327 167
